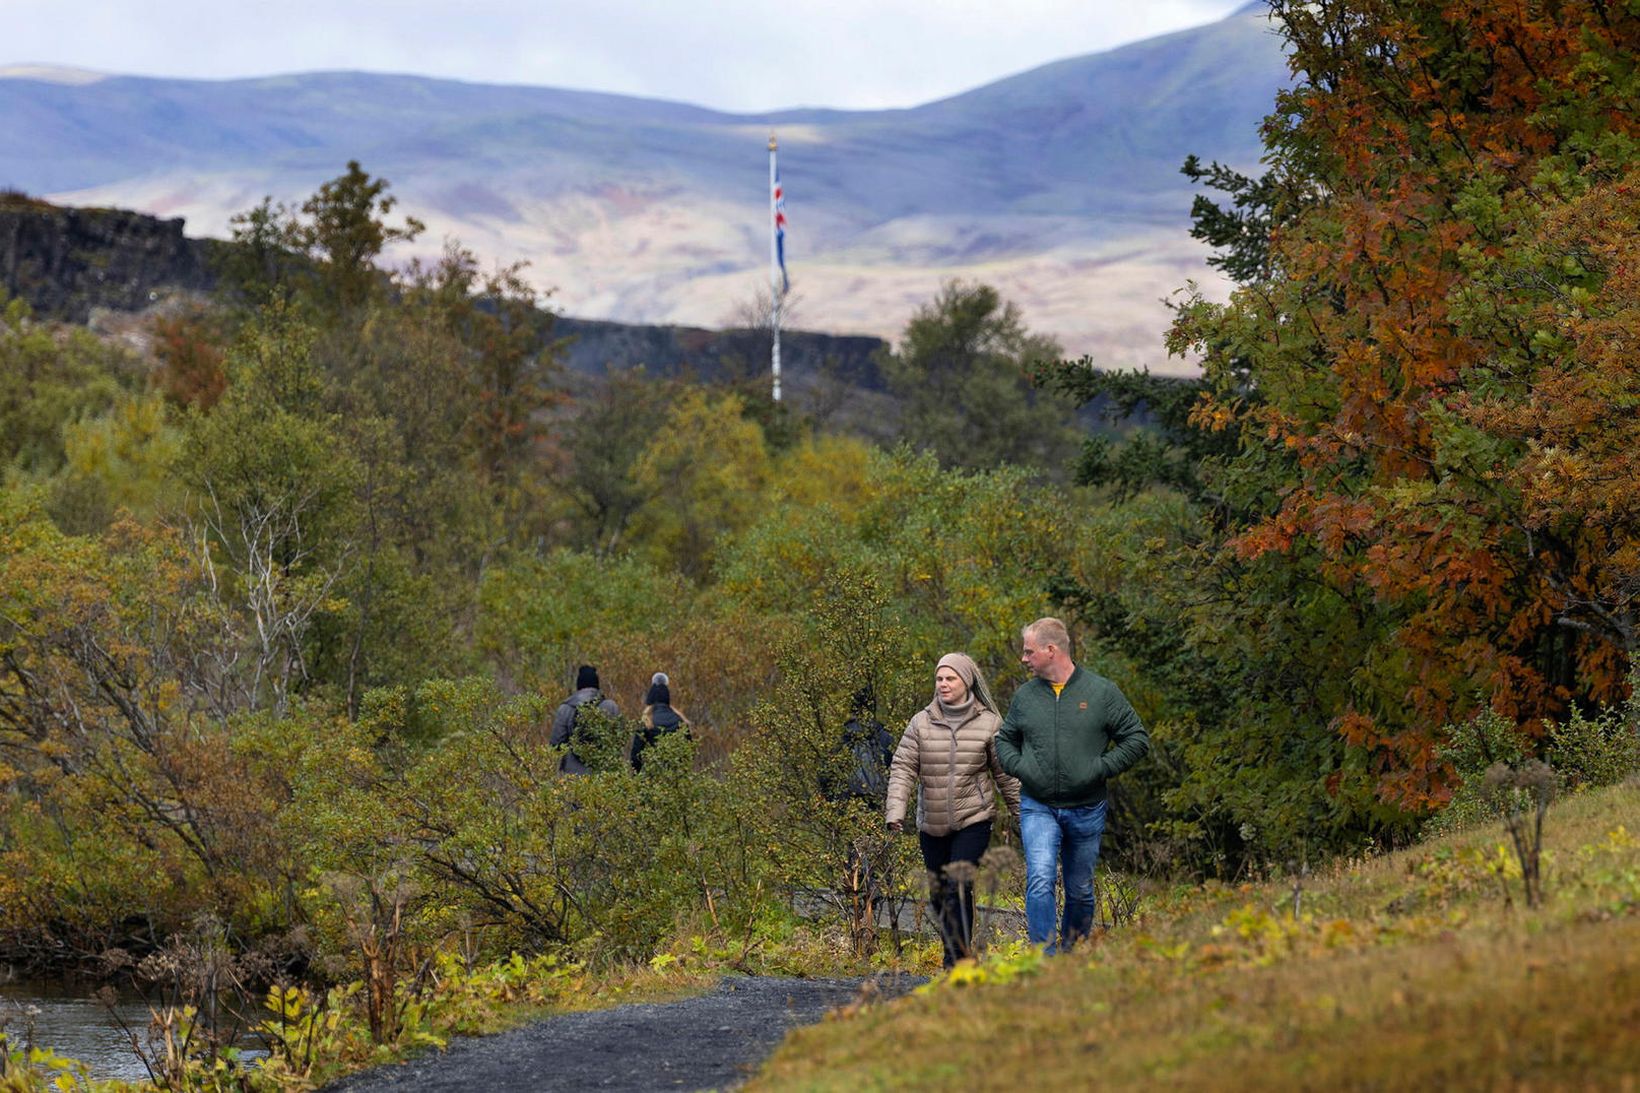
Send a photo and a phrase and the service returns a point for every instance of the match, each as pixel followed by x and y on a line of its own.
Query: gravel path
pixel 710 1042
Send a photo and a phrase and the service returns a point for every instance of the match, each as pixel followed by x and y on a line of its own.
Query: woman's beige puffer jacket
pixel 954 769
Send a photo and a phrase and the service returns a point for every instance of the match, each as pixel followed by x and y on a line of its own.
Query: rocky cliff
pixel 717 354
pixel 66 261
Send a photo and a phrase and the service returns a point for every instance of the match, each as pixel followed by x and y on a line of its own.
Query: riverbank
pixel 709 1040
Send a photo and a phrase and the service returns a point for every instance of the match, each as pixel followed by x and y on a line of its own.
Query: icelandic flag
pixel 780 231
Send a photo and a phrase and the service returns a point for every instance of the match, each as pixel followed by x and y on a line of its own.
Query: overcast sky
pixel 743 55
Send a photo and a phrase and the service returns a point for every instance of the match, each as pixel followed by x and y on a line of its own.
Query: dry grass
pixel 16 199
pixel 1417 970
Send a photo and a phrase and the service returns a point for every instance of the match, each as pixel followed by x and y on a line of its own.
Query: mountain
pixel 1059 185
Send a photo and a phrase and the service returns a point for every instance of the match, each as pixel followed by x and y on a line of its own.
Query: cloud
pixel 744 55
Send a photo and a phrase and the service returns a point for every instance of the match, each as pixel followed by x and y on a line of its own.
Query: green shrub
pixel 823 851
pixel 539 618
pixel 1596 751
pixel 1472 749
pixel 452 794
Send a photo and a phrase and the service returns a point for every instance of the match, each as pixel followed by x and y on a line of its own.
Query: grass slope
pixel 1414 970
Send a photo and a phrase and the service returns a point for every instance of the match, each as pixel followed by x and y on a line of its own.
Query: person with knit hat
pixel 949 751
pixel 659 718
pixel 568 724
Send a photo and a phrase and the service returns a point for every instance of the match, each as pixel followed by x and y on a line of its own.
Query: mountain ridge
pixel 1059 184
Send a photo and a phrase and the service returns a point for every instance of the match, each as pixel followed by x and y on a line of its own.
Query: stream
pixel 66 1018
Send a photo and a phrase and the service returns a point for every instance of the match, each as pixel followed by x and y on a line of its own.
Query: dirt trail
pixel 713 1041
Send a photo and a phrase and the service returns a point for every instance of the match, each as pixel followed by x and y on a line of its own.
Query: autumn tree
pixel 510 357
pixel 1435 425
pixel 122 461
pixel 705 467
pixel 121 675
pixel 189 348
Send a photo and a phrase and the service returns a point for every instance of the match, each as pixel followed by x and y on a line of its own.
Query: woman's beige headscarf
pixel 972 678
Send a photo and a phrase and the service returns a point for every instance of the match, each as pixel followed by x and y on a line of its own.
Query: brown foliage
pixel 1447 352
pixel 189 348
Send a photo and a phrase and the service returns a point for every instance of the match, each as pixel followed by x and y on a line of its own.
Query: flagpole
pixel 774 271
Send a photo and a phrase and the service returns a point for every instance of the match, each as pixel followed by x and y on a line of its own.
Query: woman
pixel 950 750
pixel 659 718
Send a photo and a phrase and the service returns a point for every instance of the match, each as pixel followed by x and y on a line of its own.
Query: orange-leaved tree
pixel 1433 377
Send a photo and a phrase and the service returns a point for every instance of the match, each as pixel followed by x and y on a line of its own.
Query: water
pixel 74 1024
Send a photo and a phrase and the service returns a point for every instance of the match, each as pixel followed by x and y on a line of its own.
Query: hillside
pixel 1414 970
pixel 1060 184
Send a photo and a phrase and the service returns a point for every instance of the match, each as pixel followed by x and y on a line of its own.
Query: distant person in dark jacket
pixel 570 725
pixel 659 718
pixel 870 748
pixel 1067 733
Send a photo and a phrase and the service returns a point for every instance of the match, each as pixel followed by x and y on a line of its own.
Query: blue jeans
pixel 1059 840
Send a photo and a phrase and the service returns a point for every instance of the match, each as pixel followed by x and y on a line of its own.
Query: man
pixel 1066 734
pixel 570 726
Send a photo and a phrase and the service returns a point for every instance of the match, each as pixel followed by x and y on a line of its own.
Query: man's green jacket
pixel 1064 748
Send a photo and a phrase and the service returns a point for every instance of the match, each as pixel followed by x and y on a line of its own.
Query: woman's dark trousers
pixel 951 898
